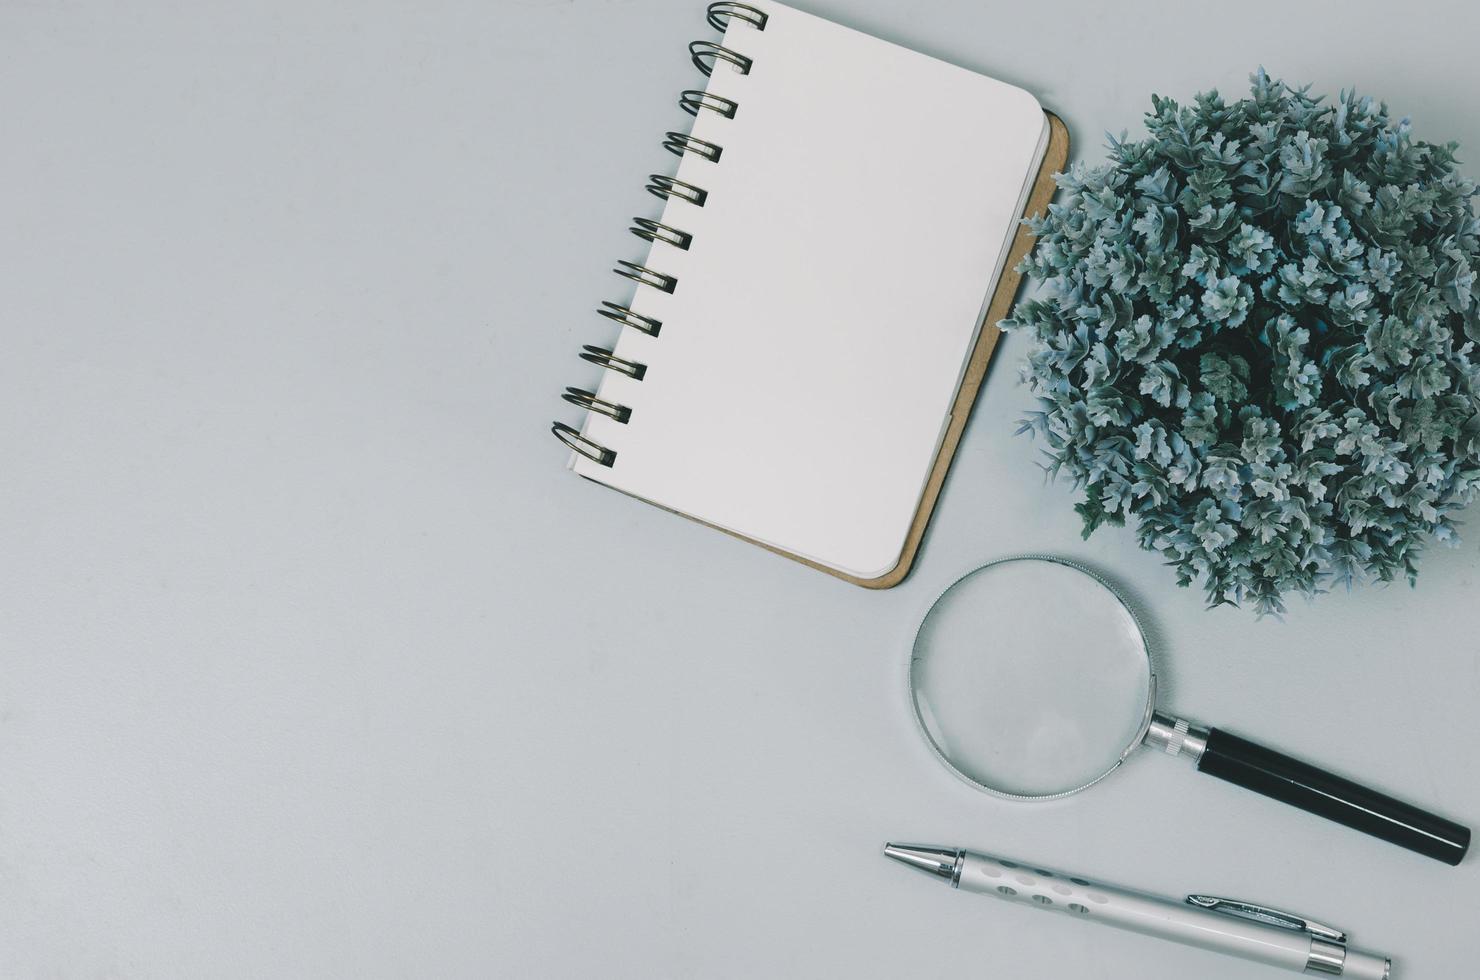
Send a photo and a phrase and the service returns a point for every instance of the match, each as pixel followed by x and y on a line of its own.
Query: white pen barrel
pixel 1134 911
pixel 1361 965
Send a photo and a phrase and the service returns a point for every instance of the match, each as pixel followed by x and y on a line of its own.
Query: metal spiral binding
pixel 699 50
pixel 591 403
pixel 586 447
pixel 719 16
pixel 680 143
pixel 656 231
pixel 692 100
pixel 644 276
pixel 604 357
pixel 706 56
pixel 669 187
pixel 627 318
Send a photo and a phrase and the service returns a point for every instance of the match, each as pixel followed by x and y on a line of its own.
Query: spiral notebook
pixel 813 316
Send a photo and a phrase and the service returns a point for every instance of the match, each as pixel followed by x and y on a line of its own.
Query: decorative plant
pixel 1256 336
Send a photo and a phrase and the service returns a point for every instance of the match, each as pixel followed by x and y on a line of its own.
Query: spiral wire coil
pixel 706 56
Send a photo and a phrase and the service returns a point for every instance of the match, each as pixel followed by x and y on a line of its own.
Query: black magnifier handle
pixel 1317 791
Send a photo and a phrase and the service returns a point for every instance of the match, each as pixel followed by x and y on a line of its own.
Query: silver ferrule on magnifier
pixel 1176 736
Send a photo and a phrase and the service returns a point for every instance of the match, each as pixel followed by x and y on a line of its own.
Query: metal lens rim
pixel 1136 740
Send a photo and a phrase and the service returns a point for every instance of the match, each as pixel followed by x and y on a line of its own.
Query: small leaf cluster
pixel 1255 333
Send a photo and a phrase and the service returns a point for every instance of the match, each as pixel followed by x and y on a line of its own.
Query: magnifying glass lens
pixel 1030 678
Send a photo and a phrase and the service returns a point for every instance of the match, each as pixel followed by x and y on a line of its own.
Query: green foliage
pixel 1256 336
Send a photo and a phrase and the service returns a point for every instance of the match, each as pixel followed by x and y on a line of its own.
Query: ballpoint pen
pixel 1252 932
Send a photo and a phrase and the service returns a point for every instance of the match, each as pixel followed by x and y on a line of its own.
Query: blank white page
pixel 855 227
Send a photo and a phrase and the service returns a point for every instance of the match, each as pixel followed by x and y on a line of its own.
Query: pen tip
pixel 939 862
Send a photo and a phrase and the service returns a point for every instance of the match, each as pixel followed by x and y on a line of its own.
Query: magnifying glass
pixel 1031 679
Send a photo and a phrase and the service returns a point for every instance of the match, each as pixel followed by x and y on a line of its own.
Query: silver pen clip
pixel 1269 916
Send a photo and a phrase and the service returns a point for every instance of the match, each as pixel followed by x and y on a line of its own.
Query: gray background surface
pixel 315 661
